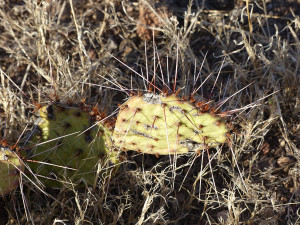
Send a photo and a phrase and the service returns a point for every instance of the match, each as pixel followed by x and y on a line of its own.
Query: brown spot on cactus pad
pixel 167 124
pixel 76 146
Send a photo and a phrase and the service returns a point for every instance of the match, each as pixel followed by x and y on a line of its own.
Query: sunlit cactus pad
pixel 156 124
pixel 62 142
pixel 10 170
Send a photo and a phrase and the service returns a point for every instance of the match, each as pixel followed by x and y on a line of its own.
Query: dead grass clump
pixel 63 49
pixel 151 20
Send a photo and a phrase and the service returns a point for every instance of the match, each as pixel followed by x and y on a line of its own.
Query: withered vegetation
pixel 52 50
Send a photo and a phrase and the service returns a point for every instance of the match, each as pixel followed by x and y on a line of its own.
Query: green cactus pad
pixel 66 146
pixel 10 167
pixel 155 124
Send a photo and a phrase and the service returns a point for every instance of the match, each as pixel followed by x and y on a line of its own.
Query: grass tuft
pixel 62 50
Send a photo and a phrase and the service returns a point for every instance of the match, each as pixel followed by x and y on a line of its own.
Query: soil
pixel 46 55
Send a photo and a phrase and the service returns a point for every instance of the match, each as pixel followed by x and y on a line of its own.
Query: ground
pixel 88 51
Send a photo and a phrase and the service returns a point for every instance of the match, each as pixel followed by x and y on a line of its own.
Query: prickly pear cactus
pixel 10 169
pixel 155 124
pixel 62 151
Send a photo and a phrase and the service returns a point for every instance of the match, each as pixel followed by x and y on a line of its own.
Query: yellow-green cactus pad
pixel 10 170
pixel 156 124
pixel 67 148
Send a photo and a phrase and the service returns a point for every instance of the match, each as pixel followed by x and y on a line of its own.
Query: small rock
pixel 285 160
pixel 111 44
pixel 282 142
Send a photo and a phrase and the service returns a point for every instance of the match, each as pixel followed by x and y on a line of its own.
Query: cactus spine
pixel 158 124
pixel 72 148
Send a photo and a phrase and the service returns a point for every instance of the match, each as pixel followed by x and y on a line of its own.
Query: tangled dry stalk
pixel 62 49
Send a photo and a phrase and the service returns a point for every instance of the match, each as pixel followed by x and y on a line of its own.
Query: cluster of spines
pixel 172 105
pixel 76 156
pixel 128 134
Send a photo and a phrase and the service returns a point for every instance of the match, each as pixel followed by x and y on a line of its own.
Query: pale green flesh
pixel 136 129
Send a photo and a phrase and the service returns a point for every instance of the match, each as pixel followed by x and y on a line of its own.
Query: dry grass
pixel 62 49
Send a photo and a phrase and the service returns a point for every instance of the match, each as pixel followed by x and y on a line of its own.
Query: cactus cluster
pixel 10 169
pixel 69 142
pixel 162 125
pixel 67 147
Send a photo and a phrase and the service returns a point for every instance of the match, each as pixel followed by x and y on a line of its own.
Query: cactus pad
pixel 68 154
pixel 156 124
pixel 10 167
